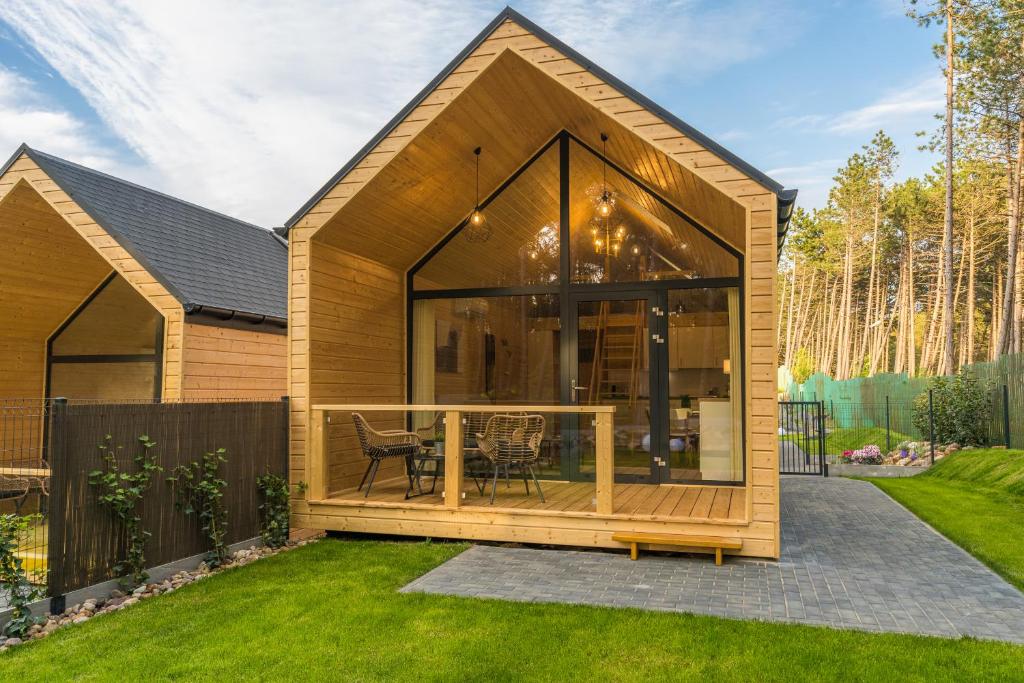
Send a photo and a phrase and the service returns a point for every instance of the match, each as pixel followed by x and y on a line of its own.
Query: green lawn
pixel 330 611
pixel 976 499
pixel 850 439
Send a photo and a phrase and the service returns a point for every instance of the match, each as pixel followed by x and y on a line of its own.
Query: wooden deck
pixel 681 503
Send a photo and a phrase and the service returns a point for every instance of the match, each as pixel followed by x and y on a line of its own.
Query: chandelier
pixel 608 241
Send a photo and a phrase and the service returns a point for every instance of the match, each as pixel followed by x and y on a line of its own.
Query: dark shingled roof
pixel 204 258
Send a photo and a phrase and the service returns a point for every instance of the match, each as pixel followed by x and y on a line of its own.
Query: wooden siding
pixel 355 334
pixel 711 177
pixel 222 362
pixel 24 174
pixel 37 243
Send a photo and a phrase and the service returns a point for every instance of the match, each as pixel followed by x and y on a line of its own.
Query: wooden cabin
pixel 112 291
pixel 531 235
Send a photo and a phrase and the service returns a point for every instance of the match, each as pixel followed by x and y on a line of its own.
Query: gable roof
pixel 205 259
pixel 786 198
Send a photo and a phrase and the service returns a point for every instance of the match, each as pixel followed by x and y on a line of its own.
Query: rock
pixel 139 591
pixel 50 627
pixel 89 605
pixel 116 594
pixel 130 601
pixel 116 602
pixel 11 642
pixel 80 619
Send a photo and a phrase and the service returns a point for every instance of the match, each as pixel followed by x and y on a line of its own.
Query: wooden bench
pixel 717 542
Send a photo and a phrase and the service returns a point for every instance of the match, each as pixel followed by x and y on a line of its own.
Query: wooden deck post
pixel 317 449
pixel 453 459
pixel 605 461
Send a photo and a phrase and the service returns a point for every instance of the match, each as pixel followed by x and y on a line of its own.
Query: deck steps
pixel 716 543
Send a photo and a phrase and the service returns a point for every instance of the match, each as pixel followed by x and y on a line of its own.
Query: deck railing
pixel 454 461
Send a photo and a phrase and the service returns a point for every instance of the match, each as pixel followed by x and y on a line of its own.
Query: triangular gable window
pixel 642 239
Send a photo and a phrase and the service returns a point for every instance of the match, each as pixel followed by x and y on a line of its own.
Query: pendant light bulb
pixel 476 231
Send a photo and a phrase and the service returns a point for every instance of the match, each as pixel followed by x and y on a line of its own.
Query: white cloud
pixel 249 108
pixel 909 105
pixel 898 106
pixel 27 116
pixel 684 40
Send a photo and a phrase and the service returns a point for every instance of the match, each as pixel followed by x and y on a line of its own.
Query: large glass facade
pixel 531 324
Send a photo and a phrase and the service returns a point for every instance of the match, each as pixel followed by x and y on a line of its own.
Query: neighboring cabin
pixel 109 290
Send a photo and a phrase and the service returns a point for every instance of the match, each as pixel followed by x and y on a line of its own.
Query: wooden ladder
pixel 613 349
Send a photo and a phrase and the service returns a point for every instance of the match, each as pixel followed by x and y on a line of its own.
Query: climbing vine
pixel 121 492
pixel 200 492
pixel 274 509
pixel 14 582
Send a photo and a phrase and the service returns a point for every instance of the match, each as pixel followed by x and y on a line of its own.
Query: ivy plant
pixel 121 493
pixel 274 509
pixel 200 491
pixel 14 582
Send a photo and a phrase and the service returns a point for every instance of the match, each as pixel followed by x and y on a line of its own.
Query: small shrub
pixel 962 410
pixel 121 493
pixel 201 492
pixel 273 509
pixel 14 582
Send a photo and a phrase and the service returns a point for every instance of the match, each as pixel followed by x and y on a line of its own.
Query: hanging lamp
pixel 476 229
pixel 607 241
pixel 604 205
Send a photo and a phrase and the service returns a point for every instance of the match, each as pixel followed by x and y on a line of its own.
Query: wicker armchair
pixel 19 486
pixel 381 445
pixel 513 441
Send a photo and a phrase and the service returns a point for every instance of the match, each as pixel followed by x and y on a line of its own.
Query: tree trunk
pixel 969 310
pixel 1013 172
pixel 947 237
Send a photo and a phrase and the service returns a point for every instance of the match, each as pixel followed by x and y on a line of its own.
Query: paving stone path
pixel 851 558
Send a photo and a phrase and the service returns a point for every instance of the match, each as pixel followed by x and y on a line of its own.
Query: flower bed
pixel 869 455
pixel 918 453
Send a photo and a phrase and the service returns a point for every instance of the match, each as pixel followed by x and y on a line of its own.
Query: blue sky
pixel 249 107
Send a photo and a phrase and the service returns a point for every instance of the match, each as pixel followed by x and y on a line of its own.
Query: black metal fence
pixel 50 447
pixel 900 426
pixel 24 476
pixel 802 438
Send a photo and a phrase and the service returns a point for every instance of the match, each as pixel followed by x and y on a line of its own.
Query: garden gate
pixel 802 438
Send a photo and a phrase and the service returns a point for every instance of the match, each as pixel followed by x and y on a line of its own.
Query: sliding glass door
pixel 612 366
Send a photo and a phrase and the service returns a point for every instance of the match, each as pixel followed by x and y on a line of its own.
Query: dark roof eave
pixel 509 13
pixel 226 314
pixel 786 204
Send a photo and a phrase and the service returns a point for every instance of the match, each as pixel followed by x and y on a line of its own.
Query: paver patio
pixel 851 558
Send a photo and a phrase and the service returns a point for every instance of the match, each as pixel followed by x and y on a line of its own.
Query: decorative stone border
pixel 851 470
pixel 169 580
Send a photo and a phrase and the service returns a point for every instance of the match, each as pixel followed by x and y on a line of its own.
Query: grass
pixel 852 438
pixel 976 499
pixel 331 611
